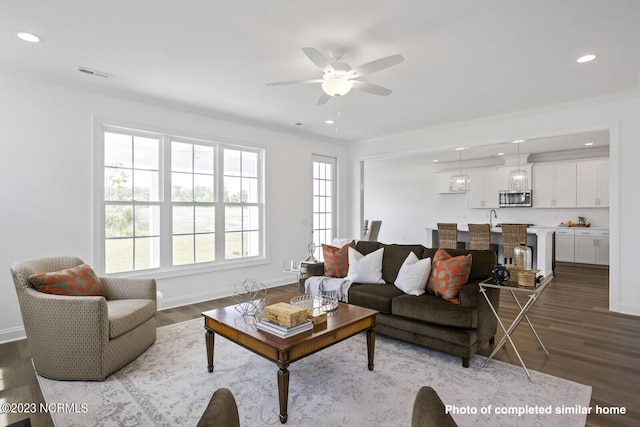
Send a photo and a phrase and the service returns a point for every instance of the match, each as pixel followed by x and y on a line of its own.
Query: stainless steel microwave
pixel 515 198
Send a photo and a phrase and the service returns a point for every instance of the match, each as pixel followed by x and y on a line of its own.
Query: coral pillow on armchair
pixel 448 275
pixel 336 260
pixel 80 280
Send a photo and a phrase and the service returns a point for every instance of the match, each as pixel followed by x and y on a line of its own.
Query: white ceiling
pixel 464 59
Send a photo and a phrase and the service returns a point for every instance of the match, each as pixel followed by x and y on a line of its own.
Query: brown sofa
pixel 427 320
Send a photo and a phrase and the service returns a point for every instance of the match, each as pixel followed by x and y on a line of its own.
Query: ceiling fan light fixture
pixel 336 85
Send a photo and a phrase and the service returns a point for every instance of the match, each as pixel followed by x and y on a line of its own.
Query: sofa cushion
pixel 336 260
pixel 483 261
pixel 394 256
pixel 448 275
pixel 80 280
pixel 375 297
pixel 366 247
pixel 433 309
pixel 127 314
pixel 365 268
pixel 413 275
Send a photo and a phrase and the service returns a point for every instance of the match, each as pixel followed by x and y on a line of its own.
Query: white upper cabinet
pixel 554 185
pixel 593 183
pixel 443 180
pixel 505 173
pixel 484 186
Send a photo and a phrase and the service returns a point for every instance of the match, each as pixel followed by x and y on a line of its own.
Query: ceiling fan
pixel 339 78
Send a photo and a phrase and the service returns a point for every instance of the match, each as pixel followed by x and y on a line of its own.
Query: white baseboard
pixel 12 334
pixel 181 300
pixel 18 333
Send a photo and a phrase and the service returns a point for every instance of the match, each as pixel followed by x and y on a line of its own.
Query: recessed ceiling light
pixel 518 141
pixel 588 144
pixel 329 122
pixel 500 154
pixel 435 160
pixel 28 37
pixel 462 148
pixel 586 58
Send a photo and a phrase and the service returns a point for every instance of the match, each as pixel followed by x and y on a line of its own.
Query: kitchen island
pixel 538 237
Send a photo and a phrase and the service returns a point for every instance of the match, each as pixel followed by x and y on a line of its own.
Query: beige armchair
pixel 84 337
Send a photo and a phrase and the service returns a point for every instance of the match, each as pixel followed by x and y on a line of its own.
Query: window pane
pixel 181 187
pixel 233 218
pixel 231 162
pixel 249 164
pixel 118 255
pixel 250 190
pixel 205 247
pixel 147 221
pixel 147 253
pixel 232 189
pixel 183 220
pixel 203 188
pixel 205 219
pixel 118 150
pixel 117 184
pixel 147 187
pixel 183 250
pixel 146 153
pixel 251 219
pixel 118 221
pixel 252 243
pixel 232 245
pixel 181 157
pixel 203 159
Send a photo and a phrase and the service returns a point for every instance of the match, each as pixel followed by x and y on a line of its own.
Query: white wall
pixel 620 114
pixel 46 140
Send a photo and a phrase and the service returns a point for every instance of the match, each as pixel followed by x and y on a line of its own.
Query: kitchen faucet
pixel 493 211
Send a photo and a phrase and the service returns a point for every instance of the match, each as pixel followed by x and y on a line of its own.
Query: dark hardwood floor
pixel 588 344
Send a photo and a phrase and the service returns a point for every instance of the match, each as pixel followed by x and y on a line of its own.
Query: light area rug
pixel 169 385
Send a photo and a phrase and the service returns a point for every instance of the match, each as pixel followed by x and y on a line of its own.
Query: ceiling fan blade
pixel 324 98
pixel 377 65
pixel 294 82
pixel 370 88
pixel 319 59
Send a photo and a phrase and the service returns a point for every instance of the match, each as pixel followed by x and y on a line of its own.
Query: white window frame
pixel 316 238
pixel 166 269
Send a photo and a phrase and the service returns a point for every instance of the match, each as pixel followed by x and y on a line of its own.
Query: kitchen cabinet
pixel 565 245
pixel 592 246
pixel 593 183
pixel 554 185
pixel 484 186
pixel 505 173
pixel 443 180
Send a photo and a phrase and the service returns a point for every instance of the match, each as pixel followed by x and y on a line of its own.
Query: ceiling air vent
pixel 95 73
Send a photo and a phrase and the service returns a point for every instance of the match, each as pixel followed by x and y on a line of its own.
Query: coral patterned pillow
pixel 80 280
pixel 336 260
pixel 448 275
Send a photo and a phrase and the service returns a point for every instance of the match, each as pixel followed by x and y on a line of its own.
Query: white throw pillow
pixel 413 275
pixel 365 268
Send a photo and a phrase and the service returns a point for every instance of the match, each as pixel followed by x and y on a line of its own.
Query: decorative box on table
pixel 521 276
pixel 285 314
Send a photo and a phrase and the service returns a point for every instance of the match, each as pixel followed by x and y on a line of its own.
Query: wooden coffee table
pixel 346 321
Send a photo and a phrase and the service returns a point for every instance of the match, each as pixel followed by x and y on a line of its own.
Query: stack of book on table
pixel 284 331
pixel 284 320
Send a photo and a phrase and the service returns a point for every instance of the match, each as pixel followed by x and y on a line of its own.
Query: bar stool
pixel 480 237
pixel 512 236
pixel 448 236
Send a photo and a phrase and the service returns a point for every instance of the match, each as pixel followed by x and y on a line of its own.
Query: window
pixel 169 201
pixel 324 212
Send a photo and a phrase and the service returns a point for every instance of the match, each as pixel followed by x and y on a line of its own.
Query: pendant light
pixel 518 178
pixel 460 182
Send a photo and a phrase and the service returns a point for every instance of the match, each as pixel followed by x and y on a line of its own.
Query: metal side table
pixel 534 293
